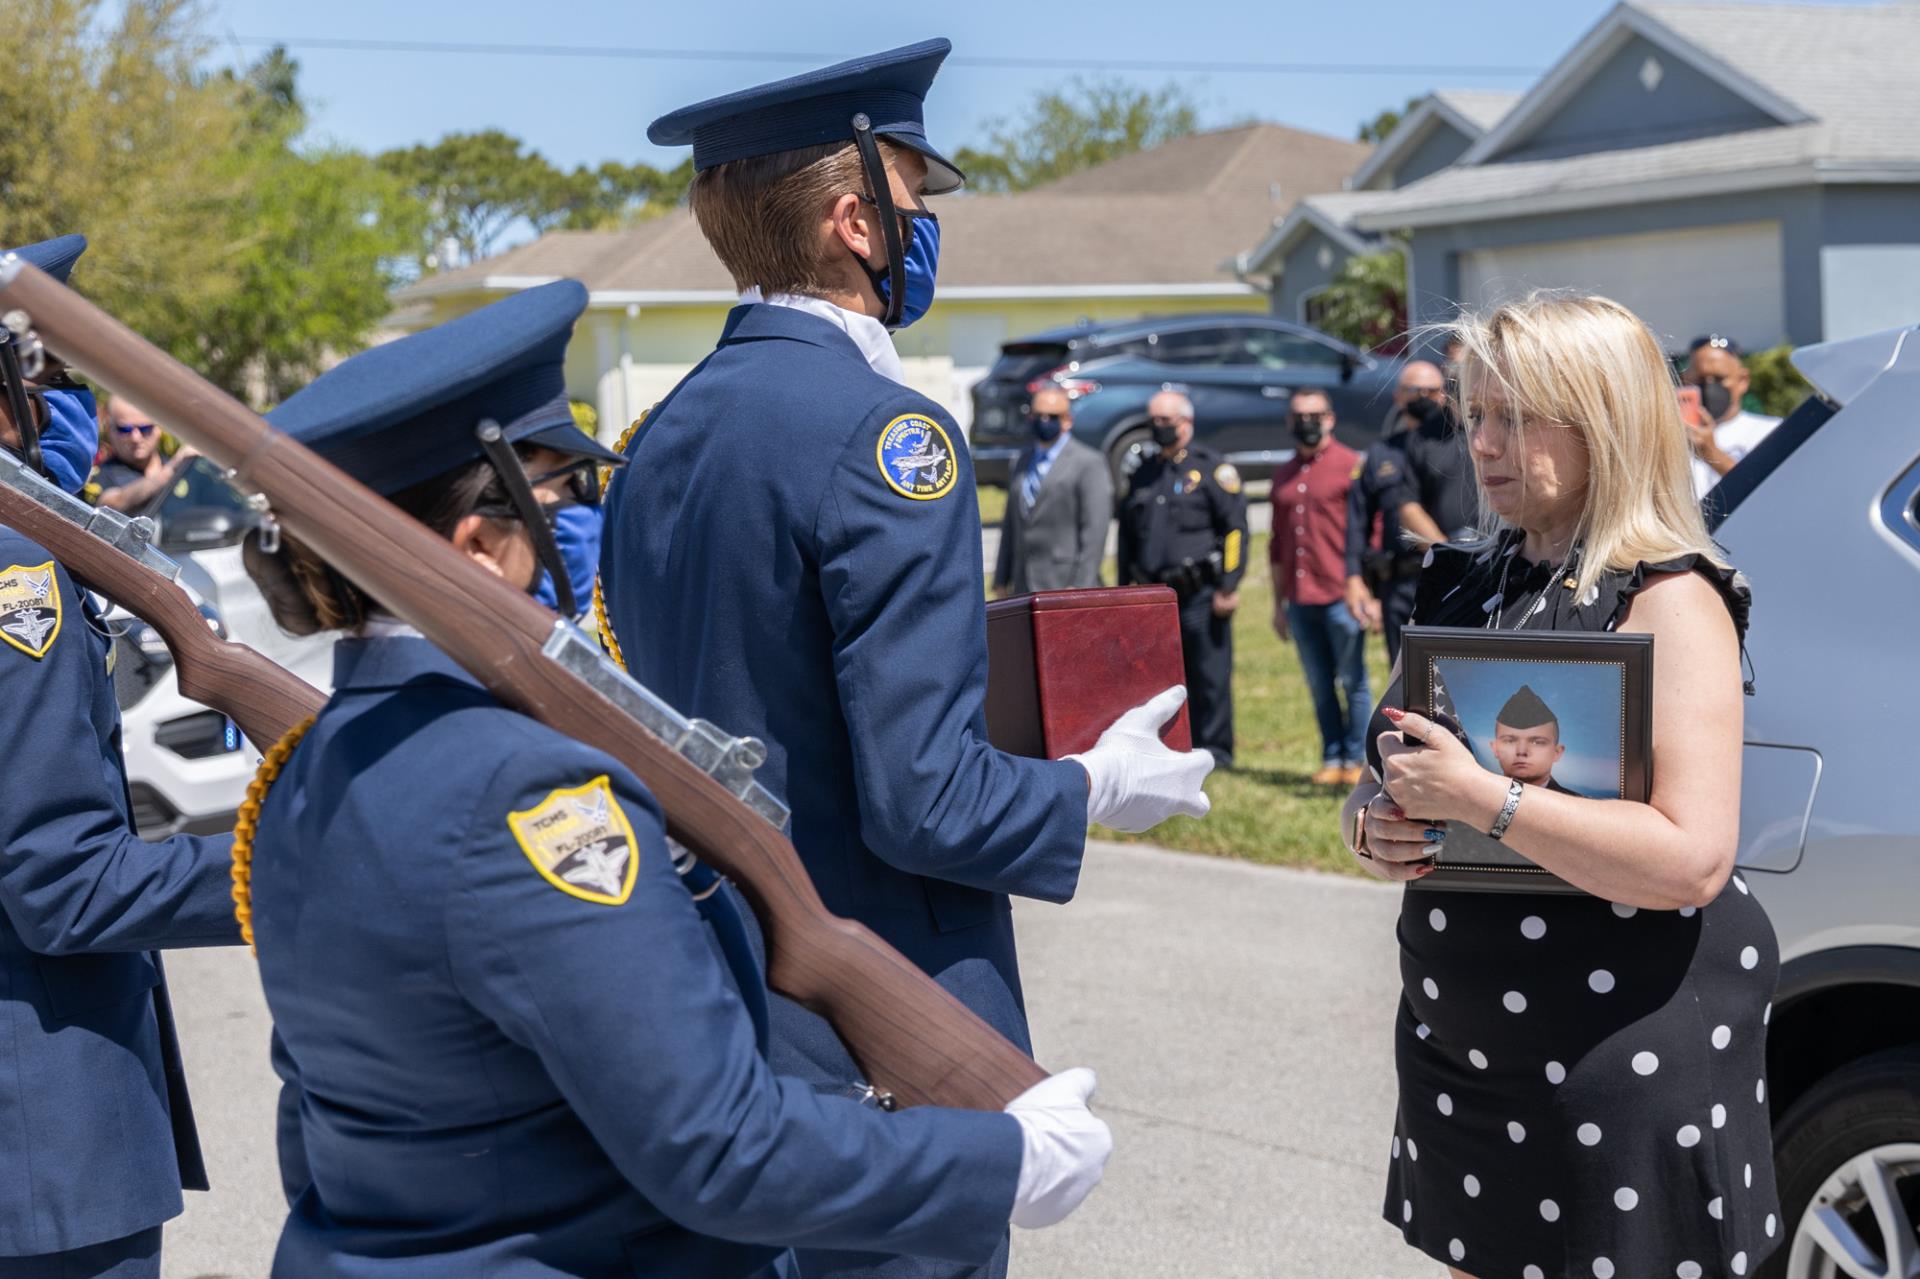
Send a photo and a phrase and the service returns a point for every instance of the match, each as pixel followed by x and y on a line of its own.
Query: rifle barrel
pixel 913 1039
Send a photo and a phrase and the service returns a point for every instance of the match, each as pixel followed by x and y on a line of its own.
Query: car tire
pixel 1861 1120
pixel 1124 458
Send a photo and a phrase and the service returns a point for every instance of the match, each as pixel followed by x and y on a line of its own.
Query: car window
pixel 1767 456
pixel 201 510
pixel 1197 346
pixel 1019 362
pixel 1271 349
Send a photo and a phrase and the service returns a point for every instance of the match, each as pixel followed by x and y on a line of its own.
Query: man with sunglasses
pixel 136 473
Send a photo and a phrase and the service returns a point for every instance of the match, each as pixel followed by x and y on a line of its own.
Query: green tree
pixel 474 187
pixel 1774 386
pixel 1064 131
pixel 210 232
pixel 615 195
pixel 1377 129
pixel 1366 305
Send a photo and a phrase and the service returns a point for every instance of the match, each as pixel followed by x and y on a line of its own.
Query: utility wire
pixel 976 60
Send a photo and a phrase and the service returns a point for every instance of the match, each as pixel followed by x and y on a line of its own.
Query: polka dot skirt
pixel 1582 1088
pixel 1582 1084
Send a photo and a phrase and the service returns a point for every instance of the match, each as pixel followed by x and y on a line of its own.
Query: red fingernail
pixel 1426 871
pixel 1394 714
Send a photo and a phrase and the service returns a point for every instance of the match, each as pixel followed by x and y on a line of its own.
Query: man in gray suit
pixel 1059 502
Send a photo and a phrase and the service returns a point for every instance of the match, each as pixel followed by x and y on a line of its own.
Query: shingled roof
pixel 1845 115
pixel 1171 217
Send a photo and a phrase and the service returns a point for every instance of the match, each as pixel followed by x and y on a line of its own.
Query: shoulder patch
pixel 29 608
pixel 916 457
pixel 1227 477
pixel 581 842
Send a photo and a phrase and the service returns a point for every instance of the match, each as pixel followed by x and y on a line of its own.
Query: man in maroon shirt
pixel 1308 553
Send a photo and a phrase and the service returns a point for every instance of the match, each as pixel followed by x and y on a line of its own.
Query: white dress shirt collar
pixel 868 334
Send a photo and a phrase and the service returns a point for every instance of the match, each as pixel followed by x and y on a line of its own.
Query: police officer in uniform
pixel 794 552
pixel 517 1037
pixel 96 1132
pixel 1184 523
pixel 1417 482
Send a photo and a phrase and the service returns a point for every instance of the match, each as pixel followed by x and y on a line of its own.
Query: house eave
pixel 1606 37
pixel 1691 186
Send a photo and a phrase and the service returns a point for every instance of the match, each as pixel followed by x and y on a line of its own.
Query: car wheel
pixel 1849 1166
pixel 1124 458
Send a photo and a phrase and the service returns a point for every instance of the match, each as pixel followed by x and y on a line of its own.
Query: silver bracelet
pixel 1505 819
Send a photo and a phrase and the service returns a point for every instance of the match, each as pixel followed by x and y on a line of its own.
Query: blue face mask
pixel 922 264
pixel 70 438
pixel 1046 427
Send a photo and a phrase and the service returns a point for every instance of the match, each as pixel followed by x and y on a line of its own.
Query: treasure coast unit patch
pixel 916 458
pixel 29 608
pixel 580 842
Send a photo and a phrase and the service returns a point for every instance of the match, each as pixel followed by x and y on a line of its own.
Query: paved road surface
pixel 1239 1018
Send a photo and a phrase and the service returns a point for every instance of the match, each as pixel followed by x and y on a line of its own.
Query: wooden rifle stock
pixel 263 698
pixel 913 1039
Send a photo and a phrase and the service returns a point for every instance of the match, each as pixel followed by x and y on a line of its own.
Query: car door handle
pixel 1277 392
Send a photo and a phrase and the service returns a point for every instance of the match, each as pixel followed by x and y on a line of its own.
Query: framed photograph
pixel 1569 711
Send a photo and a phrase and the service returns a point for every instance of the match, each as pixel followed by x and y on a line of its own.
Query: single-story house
pixel 1306 249
pixel 1157 232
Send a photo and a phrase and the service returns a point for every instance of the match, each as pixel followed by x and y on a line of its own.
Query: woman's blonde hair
pixel 1589 364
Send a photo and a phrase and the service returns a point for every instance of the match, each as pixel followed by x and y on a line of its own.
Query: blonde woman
pixel 1582 1078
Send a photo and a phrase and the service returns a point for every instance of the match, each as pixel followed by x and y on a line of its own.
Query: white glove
pixel 1137 780
pixel 1065 1148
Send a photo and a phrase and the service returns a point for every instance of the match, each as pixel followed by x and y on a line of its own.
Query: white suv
pixel 188 767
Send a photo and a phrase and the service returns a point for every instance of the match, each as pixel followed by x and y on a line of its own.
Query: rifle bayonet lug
pixel 729 760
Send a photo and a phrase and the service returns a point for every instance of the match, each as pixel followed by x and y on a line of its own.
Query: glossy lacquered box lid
pixel 1063 665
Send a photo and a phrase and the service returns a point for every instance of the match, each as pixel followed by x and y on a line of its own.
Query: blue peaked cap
pixel 818 107
pixel 56 256
pixel 407 410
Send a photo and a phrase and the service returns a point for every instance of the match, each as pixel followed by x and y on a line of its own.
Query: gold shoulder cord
pixel 607 641
pixel 247 822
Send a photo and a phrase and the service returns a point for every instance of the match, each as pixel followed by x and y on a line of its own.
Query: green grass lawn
pixel 1265 810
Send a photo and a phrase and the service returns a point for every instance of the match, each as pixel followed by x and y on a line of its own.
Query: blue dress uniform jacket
pixel 765 570
pixel 509 1064
pixel 96 1133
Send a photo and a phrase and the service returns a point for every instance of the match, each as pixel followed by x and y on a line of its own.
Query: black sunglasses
pixel 582 476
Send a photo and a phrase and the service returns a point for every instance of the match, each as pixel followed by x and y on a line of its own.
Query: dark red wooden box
pixel 1062 665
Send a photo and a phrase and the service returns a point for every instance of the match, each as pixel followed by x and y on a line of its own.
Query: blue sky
pixel 587 109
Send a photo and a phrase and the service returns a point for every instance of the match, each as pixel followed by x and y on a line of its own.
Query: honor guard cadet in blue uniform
pixel 517 1039
pixel 1183 523
pixel 96 1132
pixel 794 552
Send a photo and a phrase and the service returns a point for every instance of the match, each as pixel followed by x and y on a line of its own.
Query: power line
pixel 976 60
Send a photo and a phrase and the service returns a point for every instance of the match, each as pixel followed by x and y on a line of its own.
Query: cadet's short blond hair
pixel 762 215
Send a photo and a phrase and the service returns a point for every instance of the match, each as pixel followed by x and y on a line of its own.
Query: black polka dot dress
pixel 1582 1085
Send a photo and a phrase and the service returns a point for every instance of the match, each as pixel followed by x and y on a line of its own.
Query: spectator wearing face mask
pixel 1059 504
pixel 1417 483
pixel 1308 556
pixel 1719 429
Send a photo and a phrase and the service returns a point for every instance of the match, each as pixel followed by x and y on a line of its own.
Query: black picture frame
pixel 1469 859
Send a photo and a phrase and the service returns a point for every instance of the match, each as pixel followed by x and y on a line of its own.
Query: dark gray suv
pixel 1239 370
pixel 1824 517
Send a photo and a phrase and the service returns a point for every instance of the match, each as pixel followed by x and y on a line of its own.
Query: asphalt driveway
pixel 1239 1017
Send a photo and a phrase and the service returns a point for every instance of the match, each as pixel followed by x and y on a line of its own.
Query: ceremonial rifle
pixel 916 1043
pixel 115 555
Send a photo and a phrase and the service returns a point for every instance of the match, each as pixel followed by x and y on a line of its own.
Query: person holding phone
pixel 1582 1077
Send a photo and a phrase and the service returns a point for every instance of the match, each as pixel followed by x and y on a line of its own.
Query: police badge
pixel 29 608
pixel 916 457
pixel 580 842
